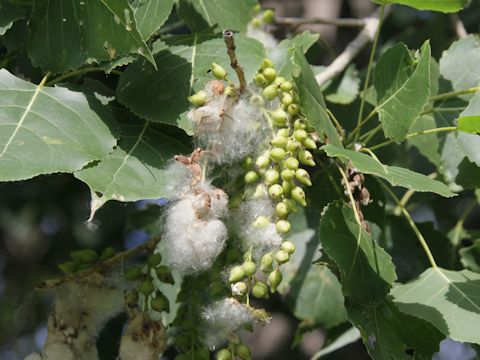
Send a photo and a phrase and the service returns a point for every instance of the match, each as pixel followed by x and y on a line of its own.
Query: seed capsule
pixel 287 99
pixel 256 22
pixel 218 71
pixel 279 81
pixel 275 191
pixel 299 124
pixel 268 16
pixel 275 278
pixel 260 80
pixel 283 133
pixel 272 176
pixel 282 256
pixel 300 135
pixel 160 303
pixel 266 262
pixel 262 161
pixel 287 174
pixel 270 92
pixel 251 177
pixel 277 154
pixel 306 157
pixel 260 290
pixel 243 352
pixel 260 192
pixel 247 163
pixel 269 73
pixel 291 163
pixel 239 288
pixel 299 195
pixel 267 63
pixel 236 274
pixel 293 109
pixel 279 141
pixel 286 86
pixel 283 226
pixel 154 260
pixel 281 210
pixel 164 275
pixel 250 267
pixel 146 287
pixel 287 186
pixel 288 247
pixel 303 177
pixel 309 143
pixel 260 221
pixel 224 354
pixel 293 145
pixel 199 98
pixel 279 117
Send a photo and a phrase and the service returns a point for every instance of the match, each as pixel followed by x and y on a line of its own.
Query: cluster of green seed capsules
pixel 148 276
pixel 278 168
pixel 235 350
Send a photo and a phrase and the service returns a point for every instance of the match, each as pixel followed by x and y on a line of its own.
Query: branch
pixel 351 51
pixel 458 26
pixel 230 42
pixel 296 22
pixel 101 267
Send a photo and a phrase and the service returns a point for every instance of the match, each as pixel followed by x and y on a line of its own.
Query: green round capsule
pixel 299 124
pixel 250 267
pixel 287 175
pixel 262 161
pixel 260 290
pixel 283 226
pixel 251 177
pixel 287 186
pixel 269 73
pixel 267 63
pixel 164 274
pixel 283 133
pixel 154 260
pixel 266 262
pixel 218 71
pixel 293 145
pixel 293 109
pixel 224 354
pixel 300 135
pixel 239 288
pixel 271 176
pixel 286 86
pixel 277 154
pixel 247 163
pixel 243 352
pixel 282 257
pixel 309 143
pixel 236 274
pixel 292 163
pixel 198 99
pixel 260 221
pixel 288 247
pixel 268 16
pixel 270 92
pixel 275 191
pixel 306 157
pixel 287 99
pixel 281 210
pixel 146 287
pixel 256 22
pixel 274 279
pixel 303 177
pixel 279 117
pixel 298 195
pixel 160 303
pixel 279 141
pixel 260 80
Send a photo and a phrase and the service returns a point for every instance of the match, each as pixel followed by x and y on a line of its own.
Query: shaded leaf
pixel 459 64
pixel 227 14
pixel 348 337
pixel 427 144
pixel 47 130
pixel 469 120
pixel 401 97
pixel 344 90
pixel 389 334
pixel 367 271
pixel 161 95
pixel 448 299
pixel 150 15
pixel 67 34
pixel 9 13
pixel 395 175
pixel 312 103
pixel 470 256
pixel 445 6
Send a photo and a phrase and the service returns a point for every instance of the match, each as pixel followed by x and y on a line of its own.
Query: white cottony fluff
pixel 262 239
pixel 194 234
pixel 222 318
pixel 229 130
pixel 267 39
pixel 179 177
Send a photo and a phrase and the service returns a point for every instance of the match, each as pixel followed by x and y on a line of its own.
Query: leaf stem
pixel 423 132
pixel 455 94
pixel 412 224
pixel 81 71
pixel 408 194
pixel 100 267
pixel 350 195
pixel 340 131
pixel 369 69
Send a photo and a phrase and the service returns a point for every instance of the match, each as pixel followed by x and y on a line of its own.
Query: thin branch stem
pixel 408 194
pixel 412 224
pixel 363 122
pixel 70 74
pixel 340 131
pixel 350 195
pixel 370 134
pixel 458 26
pixel 369 70
pixel 230 42
pixel 296 22
pixel 100 267
pixel 453 94
pixel 423 132
pixel 459 225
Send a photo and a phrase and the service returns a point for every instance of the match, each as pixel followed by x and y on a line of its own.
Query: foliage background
pixel 43 219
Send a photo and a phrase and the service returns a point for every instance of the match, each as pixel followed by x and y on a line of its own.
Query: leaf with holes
pixel 135 169
pixel 395 175
pixel 150 15
pixel 46 130
pixel 67 34
pixel 161 95
pixel 312 103
pixel 447 299
pixel 402 92
pixel 367 271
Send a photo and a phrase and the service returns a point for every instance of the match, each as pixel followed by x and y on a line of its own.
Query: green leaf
pixel 150 15
pixel 470 256
pixel 401 96
pixel 469 120
pixel 312 103
pixel 227 14
pixel 344 90
pixel 46 130
pixel 445 6
pixel 348 337
pixel 9 13
pixel 448 299
pixel 161 95
pixel 395 175
pixel 459 64
pixel 67 34
pixel 281 55
pixel 389 334
pixel 367 271
pixel 135 169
